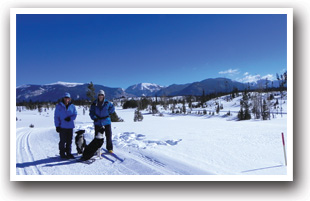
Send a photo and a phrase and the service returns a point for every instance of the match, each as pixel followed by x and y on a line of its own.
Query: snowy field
pixel 172 144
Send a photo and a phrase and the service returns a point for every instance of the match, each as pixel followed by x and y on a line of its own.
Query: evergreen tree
pixel 283 80
pixel 164 101
pixel 156 99
pixel 154 108
pixel 244 113
pixel 240 114
pixel 183 107
pixel 144 103
pixel 130 104
pixel 203 98
pixel 235 92
pixel 246 106
pixel 266 112
pixel 40 108
pixel 217 109
pixel 190 103
pixel 91 92
pixel 256 110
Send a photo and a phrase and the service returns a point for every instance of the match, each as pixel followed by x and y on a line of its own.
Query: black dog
pixel 94 146
pixel 80 141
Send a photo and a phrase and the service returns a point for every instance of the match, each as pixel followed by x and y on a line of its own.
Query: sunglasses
pixel 100 95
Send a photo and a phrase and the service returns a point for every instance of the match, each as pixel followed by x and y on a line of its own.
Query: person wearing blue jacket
pixel 100 112
pixel 65 114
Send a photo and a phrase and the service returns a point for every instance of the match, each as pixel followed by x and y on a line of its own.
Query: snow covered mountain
pixel 144 89
pixel 54 91
pixel 66 84
pixel 213 85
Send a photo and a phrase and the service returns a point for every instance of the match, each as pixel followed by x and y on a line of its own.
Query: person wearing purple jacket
pixel 65 114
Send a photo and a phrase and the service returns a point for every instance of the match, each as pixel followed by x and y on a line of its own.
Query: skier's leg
pixel 69 135
pixel 108 135
pixel 99 142
pixel 61 144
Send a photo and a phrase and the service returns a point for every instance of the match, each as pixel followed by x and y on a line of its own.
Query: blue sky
pixel 121 50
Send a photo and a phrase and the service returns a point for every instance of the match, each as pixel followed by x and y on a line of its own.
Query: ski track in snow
pixel 24 150
pixel 147 165
pixel 157 145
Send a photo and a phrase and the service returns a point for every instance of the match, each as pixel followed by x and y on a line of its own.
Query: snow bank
pixel 159 145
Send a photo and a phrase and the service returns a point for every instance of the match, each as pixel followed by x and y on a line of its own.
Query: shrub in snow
pixel 130 104
pixel 138 116
pixel 115 118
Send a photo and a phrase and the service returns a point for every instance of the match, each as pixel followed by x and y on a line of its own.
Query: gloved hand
pixel 68 118
pixel 57 129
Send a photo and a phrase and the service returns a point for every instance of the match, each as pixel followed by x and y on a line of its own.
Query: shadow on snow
pixel 49 162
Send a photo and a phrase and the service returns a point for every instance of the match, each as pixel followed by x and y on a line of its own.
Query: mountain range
pixel 54 91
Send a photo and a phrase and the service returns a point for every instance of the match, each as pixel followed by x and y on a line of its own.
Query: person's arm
pixel 73 117
pixel 92 113
pixel 57 119
pixel 111 108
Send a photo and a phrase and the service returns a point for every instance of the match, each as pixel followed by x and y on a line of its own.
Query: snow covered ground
pixel 171 144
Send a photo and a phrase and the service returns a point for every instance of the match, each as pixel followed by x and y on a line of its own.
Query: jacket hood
pixel 63 104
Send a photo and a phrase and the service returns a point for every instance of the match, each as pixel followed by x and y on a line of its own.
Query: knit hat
pixel 101 92
pixel 67 95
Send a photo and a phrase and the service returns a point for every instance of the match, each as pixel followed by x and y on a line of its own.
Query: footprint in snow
pixel 138 140
pixel 173 142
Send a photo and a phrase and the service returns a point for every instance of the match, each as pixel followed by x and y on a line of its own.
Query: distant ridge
pixel 143 89
pixel 54 91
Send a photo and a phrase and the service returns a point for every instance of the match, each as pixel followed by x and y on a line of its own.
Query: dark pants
pixel 65 141
pixel 108 135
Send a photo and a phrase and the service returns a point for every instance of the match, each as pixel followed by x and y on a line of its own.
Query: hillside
pixel 167 144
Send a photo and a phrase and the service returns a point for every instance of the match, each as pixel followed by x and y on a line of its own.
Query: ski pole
pixel 283 142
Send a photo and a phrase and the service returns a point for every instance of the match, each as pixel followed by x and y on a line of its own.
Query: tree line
pixel 253 103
